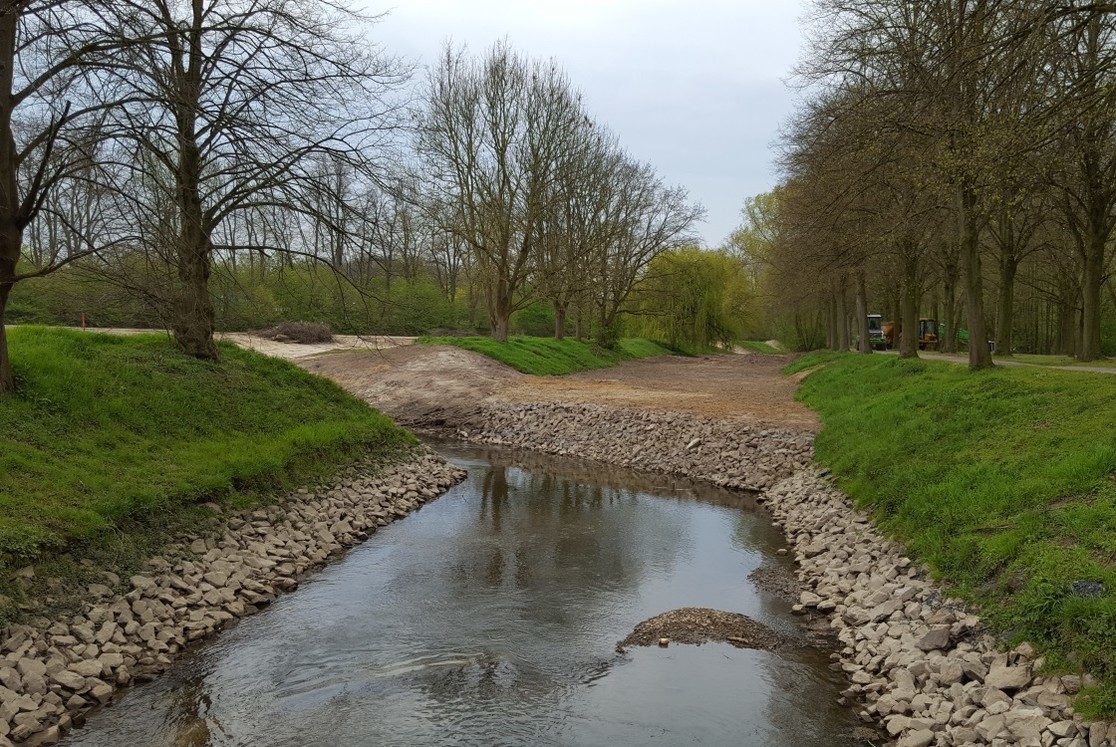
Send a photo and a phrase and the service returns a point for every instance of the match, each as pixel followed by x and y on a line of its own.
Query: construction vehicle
pixel 927 333
pixel 876 332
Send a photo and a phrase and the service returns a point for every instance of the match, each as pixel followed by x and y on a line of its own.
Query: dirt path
pixel 931 355
pixel 430 385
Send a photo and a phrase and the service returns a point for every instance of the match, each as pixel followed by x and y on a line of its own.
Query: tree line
pixel 195 155
pixel 954 159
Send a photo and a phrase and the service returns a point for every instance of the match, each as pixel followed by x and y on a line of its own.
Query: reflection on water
pixel 491 617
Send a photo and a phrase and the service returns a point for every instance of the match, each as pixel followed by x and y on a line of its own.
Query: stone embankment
pixel 920 665
pixel 728 452
pixel 52 672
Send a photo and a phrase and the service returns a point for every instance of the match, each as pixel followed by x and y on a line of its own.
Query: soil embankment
pixel 919 664
pixel 437 386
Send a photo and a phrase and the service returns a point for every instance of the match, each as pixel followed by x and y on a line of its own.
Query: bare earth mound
pixel 718 386
pixel 433 386
pixel 416 384
pixel 699 625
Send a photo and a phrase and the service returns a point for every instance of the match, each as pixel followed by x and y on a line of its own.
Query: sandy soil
pixel 294 351
pixel 742 385
pixel 288 350
pixel 416 384
pixel 430 385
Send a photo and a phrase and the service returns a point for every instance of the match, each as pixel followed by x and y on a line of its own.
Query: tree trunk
pixel 1005 319
pixel 865 344
pixel 897 316
pixel 979 355
pixel 560 308
pixel 194 315
pixel 500 328
pixel 831 321
pixel 11 234
pixel 842 317
pixel 500 310
pixel 1092 280
pixel 909 298
pixel 1067 328
pixel 7 378
pixel 949 288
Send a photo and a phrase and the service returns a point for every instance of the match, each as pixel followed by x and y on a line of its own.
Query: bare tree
pixel 45 48
pixel 244 105
pixel 942 70
pixel 578 224
pixel 491 138
pixel 1085 72
pixel 646 218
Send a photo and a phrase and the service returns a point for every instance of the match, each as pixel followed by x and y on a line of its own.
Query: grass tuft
pixel 545 356
pixel 1004 481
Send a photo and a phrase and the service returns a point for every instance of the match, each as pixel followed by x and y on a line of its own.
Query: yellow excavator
pixel 927 334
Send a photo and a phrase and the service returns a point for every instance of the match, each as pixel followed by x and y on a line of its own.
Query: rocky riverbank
pixel 52 672
pixel 919 664
pixel 729 452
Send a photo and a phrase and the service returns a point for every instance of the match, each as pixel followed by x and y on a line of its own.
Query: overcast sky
pixel 693 86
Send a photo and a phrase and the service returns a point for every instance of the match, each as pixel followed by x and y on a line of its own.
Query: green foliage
pixel 63 296
pixel 1004 481
pixel 694 300
pixel 536 320
pixel 799 331
pixel 542 356
pixel 608 335
pixel 106 430
pixel 248 297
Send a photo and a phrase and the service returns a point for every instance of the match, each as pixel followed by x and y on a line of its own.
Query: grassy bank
pixel 112 434
pixel 545 356
pixel 759 346
pixel 1004 481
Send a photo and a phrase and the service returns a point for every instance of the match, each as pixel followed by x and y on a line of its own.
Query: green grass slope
pixel 545 356
pixel 107 431
pixel 759 346
pixel 1003 480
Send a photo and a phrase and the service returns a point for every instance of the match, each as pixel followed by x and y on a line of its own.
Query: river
pixel 490 617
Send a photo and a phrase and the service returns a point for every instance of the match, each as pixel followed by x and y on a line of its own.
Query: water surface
pixel 490 617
